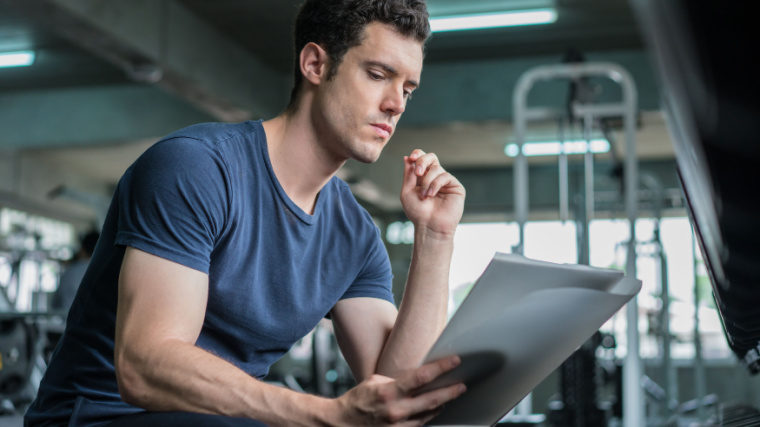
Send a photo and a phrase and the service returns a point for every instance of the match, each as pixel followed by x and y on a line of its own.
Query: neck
pixel 298 159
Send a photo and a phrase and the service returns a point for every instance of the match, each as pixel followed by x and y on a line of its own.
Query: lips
pixel 383 129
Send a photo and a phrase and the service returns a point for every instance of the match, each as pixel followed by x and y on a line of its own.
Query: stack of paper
pixel 521 320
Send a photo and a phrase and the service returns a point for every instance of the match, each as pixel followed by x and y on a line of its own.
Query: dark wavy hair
pixel 338 25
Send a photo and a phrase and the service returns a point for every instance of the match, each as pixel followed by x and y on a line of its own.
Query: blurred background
pixel 599 132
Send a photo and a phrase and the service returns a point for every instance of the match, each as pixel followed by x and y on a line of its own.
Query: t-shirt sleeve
pixel 375 279
pixel 173 202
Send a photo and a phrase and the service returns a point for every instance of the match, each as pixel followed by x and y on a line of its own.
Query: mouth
pixel 383 129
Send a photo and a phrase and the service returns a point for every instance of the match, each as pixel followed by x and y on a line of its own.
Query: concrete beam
pixel 26 183
pixel 90 116
pixel 163 43
pixel 483 90
pixel 490 190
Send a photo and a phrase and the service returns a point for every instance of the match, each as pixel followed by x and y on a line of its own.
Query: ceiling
pixel 265 29
pixel 112 77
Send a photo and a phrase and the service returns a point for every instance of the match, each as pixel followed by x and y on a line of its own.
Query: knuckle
pixel 434 403
pixel 395 415
pixel 385 395
pixel 421 377
pixel 443 177
pixel 432 176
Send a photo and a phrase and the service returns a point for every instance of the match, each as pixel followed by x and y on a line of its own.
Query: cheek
pixel 351 109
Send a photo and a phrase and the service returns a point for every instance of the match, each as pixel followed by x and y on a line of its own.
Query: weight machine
pixel 28 330
pixel 590 114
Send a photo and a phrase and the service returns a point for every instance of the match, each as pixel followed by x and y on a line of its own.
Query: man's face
pixel 358 109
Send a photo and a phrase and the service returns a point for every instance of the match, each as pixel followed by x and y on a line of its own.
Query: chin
pixel 367 158
pixel 371 152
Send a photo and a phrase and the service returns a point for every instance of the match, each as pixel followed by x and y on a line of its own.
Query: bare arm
pixel 373 336
pixel 423 310
pixel 159 317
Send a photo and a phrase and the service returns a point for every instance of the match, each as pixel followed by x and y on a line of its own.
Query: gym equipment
pixel 17 353
pixel 590 114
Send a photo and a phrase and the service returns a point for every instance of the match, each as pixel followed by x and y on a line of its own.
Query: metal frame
pixel 633 402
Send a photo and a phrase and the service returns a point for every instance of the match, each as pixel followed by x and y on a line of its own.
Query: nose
pixel 394 101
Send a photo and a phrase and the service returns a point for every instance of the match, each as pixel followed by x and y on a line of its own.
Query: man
pixel 231 241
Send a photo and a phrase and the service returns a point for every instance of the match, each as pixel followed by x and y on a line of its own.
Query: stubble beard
pixel 369 154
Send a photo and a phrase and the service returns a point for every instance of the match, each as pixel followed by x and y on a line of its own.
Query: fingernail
pixel 462 388
pixel 419 170
pixel 454 361
pixel 424 193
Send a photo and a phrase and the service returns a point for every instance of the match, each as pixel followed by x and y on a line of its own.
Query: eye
pixel 408 94
pixel 374 75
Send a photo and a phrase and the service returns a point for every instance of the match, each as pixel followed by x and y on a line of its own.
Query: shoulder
pixel 215 133
pixel 200 146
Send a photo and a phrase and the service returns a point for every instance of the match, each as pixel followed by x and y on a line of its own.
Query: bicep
pixel 362 326
pixel 158 300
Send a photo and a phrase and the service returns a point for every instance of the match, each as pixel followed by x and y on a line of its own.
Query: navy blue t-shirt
pixel 206 197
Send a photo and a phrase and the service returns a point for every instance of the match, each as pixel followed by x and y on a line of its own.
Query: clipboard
pixel 519 322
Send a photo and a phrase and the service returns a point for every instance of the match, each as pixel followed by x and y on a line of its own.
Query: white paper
pixel 521 320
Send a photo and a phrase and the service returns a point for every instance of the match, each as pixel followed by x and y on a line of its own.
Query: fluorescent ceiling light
pixel 493 20
pixel 552 148
pixel 16 59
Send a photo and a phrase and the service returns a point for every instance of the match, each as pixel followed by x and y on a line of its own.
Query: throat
pixel 298 161
pixel 307 204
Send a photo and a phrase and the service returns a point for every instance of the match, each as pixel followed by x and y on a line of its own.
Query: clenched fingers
pixel 423 162
pixel 430 175
pixel 437 179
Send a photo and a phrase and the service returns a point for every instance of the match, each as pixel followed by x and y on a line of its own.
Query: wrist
pixel 302 409
pixel 424 234
pixel 327 411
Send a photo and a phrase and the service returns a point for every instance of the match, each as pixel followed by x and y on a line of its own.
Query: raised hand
pixel 432 198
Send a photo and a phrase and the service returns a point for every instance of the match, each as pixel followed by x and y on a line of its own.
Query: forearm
pixel 177 376
pixel 423 311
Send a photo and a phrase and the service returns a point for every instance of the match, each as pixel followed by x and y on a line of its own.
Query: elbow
pixel 132 384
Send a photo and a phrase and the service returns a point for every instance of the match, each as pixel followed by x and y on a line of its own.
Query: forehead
pixel 382 43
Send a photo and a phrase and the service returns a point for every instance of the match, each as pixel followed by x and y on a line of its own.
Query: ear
pixel 313 62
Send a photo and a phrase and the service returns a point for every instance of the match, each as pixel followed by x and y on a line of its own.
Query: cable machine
pixel 590 115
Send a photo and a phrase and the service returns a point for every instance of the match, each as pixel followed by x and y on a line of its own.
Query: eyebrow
pixel 390 70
